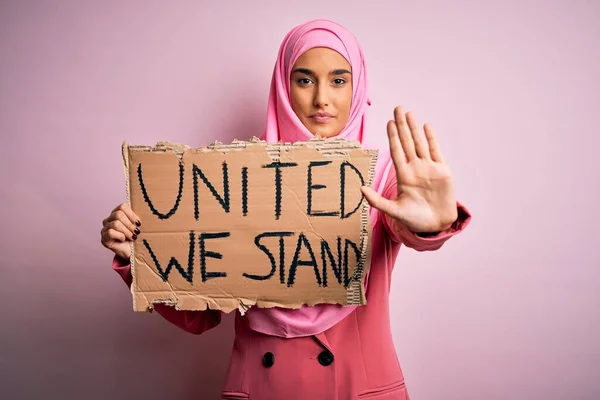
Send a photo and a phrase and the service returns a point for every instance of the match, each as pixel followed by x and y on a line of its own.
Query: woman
pixel 319 87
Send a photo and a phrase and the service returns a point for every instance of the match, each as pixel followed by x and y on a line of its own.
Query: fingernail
pixel 138 223
pixel 134 237
pixel 137 231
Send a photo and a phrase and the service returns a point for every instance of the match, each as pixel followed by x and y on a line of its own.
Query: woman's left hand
pixel 426 201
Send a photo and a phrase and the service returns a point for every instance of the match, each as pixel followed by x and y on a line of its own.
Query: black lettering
pixel 204 254
pixel 343 189
pixel 164 274
pixel 311 187
pixel 147 198
pixel 326 256
pixel 245 191
pixel 358 270
pixel 296 262
pixel 278 165
pixel 262 247
pixel 224 201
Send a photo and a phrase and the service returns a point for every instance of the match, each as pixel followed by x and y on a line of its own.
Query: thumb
pixel 379 202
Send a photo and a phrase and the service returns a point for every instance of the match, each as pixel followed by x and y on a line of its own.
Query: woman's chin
pixel 324 133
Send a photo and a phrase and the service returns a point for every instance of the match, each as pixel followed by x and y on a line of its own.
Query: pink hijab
pixel 284 125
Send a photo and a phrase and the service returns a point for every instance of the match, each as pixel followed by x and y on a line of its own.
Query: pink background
pixel 509 309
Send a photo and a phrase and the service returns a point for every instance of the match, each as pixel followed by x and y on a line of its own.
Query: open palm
pixel 425 201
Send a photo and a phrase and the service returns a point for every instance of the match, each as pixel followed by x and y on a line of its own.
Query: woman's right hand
pixel 119 229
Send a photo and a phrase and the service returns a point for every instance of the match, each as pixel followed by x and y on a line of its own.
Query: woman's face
pixel 321 91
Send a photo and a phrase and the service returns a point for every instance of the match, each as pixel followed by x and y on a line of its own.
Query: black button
pixel 268 360
pixel 325 358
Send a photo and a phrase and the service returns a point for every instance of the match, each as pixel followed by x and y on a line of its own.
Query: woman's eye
pixel 304 81
pixel 339 81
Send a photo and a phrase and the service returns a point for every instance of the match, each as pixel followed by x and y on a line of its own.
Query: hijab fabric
pixel 283 125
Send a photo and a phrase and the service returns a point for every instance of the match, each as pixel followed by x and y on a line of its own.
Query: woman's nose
pixel 321 98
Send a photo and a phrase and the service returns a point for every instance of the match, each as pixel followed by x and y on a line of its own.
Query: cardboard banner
pixel 247 224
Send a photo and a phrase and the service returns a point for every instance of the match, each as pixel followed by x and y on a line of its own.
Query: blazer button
pixel 325 358
pixel 268 360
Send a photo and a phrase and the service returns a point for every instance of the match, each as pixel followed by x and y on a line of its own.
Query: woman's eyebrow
pixel 340 72
pixel 307 71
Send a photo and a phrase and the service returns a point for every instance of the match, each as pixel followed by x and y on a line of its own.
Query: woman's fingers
pixel 396 150
pixel 120 227
pixel 404 134
pixel 419 139
pixel 434 146
pixel 416 142
pixel 126 209
pixel 125 220
pixel 112 235
pixel 379 202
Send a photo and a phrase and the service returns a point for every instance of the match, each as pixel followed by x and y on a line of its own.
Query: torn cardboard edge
pixel 332 148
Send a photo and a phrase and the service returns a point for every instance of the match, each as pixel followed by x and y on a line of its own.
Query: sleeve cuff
pixel 400 233
pixel 123 268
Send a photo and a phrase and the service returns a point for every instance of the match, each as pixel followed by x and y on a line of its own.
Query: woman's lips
pixel 321 118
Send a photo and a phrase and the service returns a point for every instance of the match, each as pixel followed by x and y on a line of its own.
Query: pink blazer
pixel 355 359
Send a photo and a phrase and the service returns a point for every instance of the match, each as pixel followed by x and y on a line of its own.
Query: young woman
pixel 319 87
